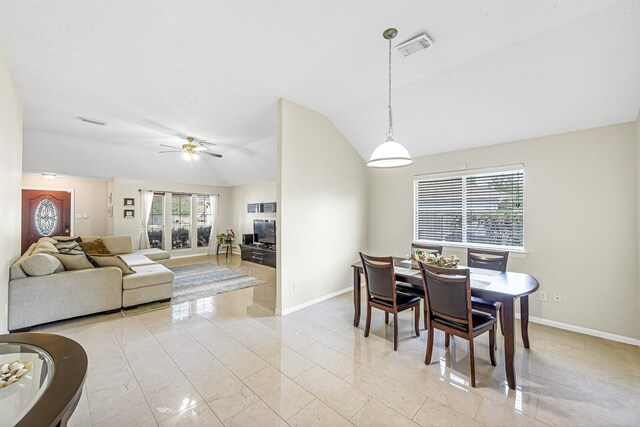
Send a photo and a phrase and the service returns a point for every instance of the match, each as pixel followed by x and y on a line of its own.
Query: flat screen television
pixel 264 231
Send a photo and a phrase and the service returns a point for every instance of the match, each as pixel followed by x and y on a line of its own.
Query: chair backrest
pixel 428 248
pixel 380 277
pixel 447 293
pixel 489 260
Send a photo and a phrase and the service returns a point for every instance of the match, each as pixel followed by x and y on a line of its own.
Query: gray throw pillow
pixel 41 265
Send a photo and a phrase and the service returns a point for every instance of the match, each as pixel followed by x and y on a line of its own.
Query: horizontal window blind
pixel 484 209
pixel 439 210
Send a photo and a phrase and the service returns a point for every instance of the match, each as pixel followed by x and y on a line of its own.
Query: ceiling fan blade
pixel 211 154
pixel 175 151
pixel 238 147
pixel 200 148
pixel 169 146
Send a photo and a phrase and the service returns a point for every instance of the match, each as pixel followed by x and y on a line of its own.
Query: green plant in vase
pixel 226 237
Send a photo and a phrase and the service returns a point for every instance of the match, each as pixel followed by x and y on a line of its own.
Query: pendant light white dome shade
pixel 390 154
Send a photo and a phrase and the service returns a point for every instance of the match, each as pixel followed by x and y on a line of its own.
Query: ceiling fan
pixel 191 150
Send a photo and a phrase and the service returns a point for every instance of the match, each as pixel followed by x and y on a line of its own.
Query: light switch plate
pixel 78 216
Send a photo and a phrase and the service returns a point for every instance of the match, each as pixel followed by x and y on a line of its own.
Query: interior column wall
pixel 322 215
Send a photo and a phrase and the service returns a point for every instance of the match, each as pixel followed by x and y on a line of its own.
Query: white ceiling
pixel 499 71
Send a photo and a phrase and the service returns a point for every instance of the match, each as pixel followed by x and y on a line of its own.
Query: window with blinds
pixel 478 209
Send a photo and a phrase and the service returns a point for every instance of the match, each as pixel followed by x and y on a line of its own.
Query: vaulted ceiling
pixel 498 71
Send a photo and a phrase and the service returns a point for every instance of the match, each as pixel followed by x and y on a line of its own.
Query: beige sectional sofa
pixel 38 299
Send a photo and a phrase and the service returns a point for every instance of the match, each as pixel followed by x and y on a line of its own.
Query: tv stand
pixel 259 254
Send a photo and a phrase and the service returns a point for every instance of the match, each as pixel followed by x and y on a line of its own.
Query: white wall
pixel 128 188
pixel 259 192
pixel 90 198
pixel 580 220
pixel 322 206
pixel 10 179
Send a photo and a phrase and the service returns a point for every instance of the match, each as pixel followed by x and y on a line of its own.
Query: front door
pixel 44 213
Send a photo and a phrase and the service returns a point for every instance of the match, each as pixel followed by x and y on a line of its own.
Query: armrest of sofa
pixel 41 299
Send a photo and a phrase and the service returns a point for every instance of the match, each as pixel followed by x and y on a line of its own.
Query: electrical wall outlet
pixel 557 297
pixel 543 295
pixel 296 285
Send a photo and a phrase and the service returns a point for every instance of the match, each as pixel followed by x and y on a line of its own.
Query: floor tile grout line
pixel 144 395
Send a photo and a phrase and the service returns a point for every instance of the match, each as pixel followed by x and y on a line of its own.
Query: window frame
pixel 209 218
pixel 465 173
pixel 155 226
pixel 189 227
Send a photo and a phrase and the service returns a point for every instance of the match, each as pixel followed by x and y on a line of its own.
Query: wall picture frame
pixel 129 213
pixel 268 207
pixel 252 208
pixel 129 201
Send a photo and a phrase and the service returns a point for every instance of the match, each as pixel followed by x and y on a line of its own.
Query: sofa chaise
pixel 47 292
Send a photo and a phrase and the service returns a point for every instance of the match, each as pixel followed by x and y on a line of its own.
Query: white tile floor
pixel 228 360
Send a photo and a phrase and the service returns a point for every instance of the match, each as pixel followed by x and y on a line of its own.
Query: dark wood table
pixel 488 284
pixel 61 377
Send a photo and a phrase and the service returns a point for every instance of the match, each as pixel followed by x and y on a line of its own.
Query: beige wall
pixel 128 188
pixel 322 206
pixel 10 179
pixel 90 199
pixel 260 192
pixel 580 220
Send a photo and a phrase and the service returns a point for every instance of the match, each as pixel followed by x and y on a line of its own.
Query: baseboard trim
pixel 314 301
pixel 581 330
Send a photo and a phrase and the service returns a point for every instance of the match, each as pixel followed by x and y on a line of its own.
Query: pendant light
pixel 390 154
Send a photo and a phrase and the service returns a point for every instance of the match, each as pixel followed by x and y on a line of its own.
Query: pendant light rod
pixel 390 154
pixel 389 35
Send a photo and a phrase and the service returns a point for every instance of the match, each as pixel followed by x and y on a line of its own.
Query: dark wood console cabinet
pixel 258 254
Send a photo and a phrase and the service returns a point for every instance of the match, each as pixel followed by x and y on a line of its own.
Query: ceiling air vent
pixel 416 44
pixel 92 121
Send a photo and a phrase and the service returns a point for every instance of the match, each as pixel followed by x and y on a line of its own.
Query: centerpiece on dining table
pixel 433 258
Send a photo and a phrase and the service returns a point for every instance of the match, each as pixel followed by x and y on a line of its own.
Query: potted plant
pixel 227 237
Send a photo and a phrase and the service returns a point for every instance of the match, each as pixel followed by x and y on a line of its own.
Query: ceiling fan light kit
pixel 390 154
pixel 190 151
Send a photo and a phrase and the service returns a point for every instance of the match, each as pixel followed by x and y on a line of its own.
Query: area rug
pixel 199 281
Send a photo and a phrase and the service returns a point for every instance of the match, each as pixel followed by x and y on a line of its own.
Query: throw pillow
pixel 41 265
pixel 95 247
pixel 113 261
pixel 44 247
pixel 69 247
pixel 47 239
pixel 74 262
pixel 68 239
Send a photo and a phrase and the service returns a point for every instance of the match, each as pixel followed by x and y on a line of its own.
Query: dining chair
pixel 414 290
pixel 448 300
pixel 428 248
pixel 382 294
pixel 489 260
